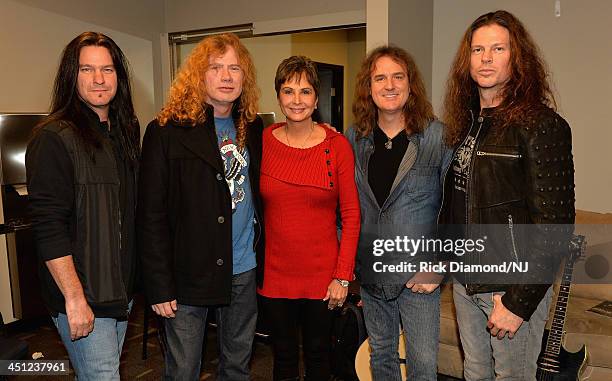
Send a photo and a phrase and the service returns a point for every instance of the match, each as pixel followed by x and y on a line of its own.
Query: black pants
pixel 285 316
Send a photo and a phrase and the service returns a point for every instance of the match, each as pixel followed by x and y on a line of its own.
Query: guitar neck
pixel 553 344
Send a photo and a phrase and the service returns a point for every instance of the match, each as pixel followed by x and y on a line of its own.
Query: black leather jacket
pixel 520 175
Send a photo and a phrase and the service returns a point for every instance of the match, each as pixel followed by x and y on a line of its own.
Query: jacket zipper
pixel 511 227
pixel 120 231
pixel 495 154
pixel 469 183
pixel 443 186
pixel 127 302
pixel 120 243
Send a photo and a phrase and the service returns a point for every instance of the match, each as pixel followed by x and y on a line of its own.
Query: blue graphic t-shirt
pixel 236 162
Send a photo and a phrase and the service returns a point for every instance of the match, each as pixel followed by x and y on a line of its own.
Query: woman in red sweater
pixel 307 174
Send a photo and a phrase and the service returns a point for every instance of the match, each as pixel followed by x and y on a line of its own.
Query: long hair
pixel 68 109
pixel 417 111
pixel 187 97
pixel 526 91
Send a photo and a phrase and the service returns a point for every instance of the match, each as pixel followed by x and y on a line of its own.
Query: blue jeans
pixel 419 315
pixel 235 332
pixel 486 357
pixel 95 356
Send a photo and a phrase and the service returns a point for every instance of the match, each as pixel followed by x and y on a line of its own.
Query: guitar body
pixel 569 367
pixel 362 359
pixel 554 362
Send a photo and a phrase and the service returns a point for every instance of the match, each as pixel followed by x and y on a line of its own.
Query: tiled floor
pixel 44 338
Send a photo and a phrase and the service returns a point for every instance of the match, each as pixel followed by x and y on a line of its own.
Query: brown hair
pixel 525 92
pixel 187 97
pixel 418 112
pixel 293 68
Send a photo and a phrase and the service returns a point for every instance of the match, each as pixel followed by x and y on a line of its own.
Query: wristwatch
pixel 343 283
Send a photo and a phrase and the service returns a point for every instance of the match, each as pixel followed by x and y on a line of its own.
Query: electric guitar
pixel 555 363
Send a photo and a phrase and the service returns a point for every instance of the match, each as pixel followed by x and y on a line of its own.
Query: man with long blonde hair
pixel 199 210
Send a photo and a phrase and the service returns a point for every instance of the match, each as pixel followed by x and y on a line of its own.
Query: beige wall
pixel 141 18
pixel 377 16
pixel 577 49
pixel 356 54
pixel 182 15
pixel 32 40
pixel 410 27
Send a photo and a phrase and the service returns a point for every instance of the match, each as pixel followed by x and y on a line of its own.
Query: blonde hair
pixel 186 101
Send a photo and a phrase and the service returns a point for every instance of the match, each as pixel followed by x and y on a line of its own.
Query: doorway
pixel 331 95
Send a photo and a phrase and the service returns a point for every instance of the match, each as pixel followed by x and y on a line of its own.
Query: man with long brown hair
pixel 400 159
pixel 199 210
pixel 512 167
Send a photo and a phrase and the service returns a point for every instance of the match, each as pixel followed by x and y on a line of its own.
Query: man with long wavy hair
pixel 512 166
pixel 400 159
pixel 81 168
pixel 199 210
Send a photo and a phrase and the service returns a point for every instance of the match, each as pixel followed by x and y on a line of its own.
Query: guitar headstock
pixel 577 248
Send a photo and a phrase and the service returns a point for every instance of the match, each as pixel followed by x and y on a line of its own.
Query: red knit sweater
pixel 301 190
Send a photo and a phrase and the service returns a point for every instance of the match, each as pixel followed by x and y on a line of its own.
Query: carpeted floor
pixel 42 337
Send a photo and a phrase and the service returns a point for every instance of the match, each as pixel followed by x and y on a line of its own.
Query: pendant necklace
pixel 389 143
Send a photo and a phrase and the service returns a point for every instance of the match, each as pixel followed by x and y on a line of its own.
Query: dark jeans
pixel 235 331
pixel 284 317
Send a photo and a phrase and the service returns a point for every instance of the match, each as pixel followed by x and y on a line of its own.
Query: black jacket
pixel 520 176
pixel 184 213
pixel 82 203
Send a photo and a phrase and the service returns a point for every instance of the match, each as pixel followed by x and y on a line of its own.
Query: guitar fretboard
pixel 555 336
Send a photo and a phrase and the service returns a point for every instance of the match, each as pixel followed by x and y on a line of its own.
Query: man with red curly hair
pixel 199 209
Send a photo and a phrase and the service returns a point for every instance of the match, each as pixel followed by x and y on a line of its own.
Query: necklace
pixel 305 140
pixel 389 143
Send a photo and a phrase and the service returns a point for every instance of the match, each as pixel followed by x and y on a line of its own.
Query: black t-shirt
pixel 461 165
pixel 384 162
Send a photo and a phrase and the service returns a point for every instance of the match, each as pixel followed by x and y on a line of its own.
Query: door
pixel 330 108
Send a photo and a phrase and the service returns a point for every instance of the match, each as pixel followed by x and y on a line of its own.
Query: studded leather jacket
pixel 521 175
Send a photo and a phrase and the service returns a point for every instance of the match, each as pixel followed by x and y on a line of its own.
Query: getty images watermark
pixel 404 245
pixel 484 253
